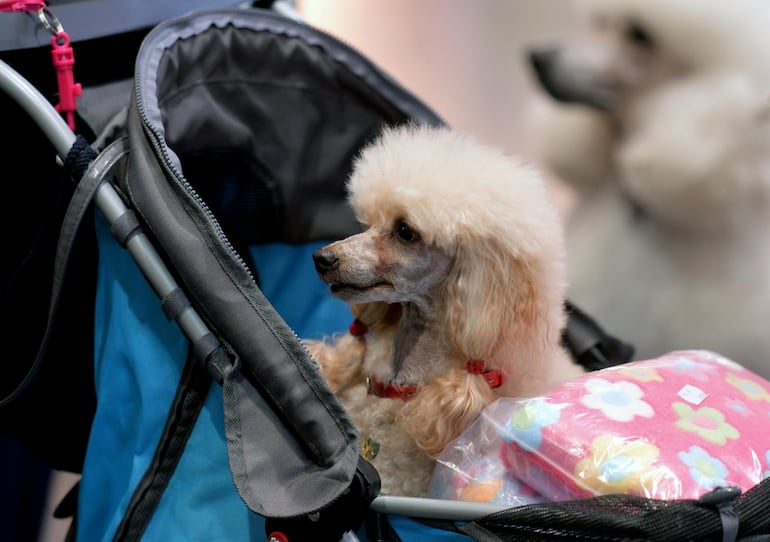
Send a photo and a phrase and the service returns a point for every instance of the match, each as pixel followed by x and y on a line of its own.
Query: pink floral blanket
pixel 671 427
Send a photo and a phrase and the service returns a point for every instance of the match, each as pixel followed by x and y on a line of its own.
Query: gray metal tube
pixel 41 111
pixel 107 199
pixel 418 507
pixel 139 246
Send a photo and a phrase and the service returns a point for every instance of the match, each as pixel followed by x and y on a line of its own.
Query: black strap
pixel 76 162
pixel 723 499
pixel 185 408
pixel 78 158
pixel 589 345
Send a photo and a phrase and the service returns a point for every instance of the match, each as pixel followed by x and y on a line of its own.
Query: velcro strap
pixel 174 304
pixel 205 346
pixel 209 351
pixel 125 227
pixel 723 499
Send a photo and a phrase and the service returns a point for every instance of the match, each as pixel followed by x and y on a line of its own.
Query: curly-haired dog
pixel 457 283
pixel 667 143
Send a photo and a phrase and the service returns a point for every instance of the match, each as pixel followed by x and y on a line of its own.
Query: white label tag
pixel 691 394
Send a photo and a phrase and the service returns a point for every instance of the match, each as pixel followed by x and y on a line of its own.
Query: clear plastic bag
pixel 669 428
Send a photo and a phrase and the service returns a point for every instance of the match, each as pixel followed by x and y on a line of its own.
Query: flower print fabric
pixel 670 428
pixel 708 423
pixel 619 401
pixel 619 465
pixel 706 471
pixel 748 387
pixel 526 425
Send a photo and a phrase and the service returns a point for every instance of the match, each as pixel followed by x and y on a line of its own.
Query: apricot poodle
pixel 457 285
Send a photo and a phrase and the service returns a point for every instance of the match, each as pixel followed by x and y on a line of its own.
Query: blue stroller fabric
pixel 140 356
pixel 200 502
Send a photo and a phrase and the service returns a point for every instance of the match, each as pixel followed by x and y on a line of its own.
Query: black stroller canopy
pixel 242 130
pixel 281 95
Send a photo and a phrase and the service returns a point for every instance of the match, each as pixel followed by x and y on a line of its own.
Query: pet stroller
pixel 219 179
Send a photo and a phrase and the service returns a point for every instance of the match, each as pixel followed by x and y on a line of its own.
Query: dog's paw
pixel 340 362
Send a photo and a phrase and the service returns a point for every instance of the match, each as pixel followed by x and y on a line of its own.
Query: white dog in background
pixel 669 151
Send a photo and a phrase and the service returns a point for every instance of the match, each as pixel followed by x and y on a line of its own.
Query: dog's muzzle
pixel 563 84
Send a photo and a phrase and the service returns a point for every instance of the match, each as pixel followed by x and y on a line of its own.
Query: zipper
pixel 334 47
pixel 386 80
pixel 162 149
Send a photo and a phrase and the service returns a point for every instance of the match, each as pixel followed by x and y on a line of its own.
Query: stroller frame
pixel 128 233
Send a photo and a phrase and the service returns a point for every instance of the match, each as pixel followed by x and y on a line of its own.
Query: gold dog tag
pixel 369 448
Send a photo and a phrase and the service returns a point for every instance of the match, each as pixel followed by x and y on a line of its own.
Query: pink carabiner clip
pixel 14 6
pixel 69 90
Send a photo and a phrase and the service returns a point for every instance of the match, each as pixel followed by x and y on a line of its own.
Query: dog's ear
pixel 444 409
pixel 490 294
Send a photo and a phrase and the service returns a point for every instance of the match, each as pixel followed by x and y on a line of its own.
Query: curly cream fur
pixel 482 279
pixel 667 238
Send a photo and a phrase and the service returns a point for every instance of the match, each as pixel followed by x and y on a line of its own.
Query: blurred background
pixel 466 60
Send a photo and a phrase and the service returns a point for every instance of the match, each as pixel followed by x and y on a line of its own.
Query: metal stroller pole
pixel 35 104
pixel 107 199
pixel 422 507
pixel 149 261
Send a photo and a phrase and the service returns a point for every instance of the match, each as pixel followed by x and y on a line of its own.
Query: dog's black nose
pixel 542 59
pixel 324 260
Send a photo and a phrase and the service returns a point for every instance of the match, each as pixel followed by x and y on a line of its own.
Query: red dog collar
pixel 358 328
pixel 494 377
pixel 389 390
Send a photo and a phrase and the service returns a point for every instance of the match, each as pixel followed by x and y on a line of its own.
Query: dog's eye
pixel 636 34
pixel 405 233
